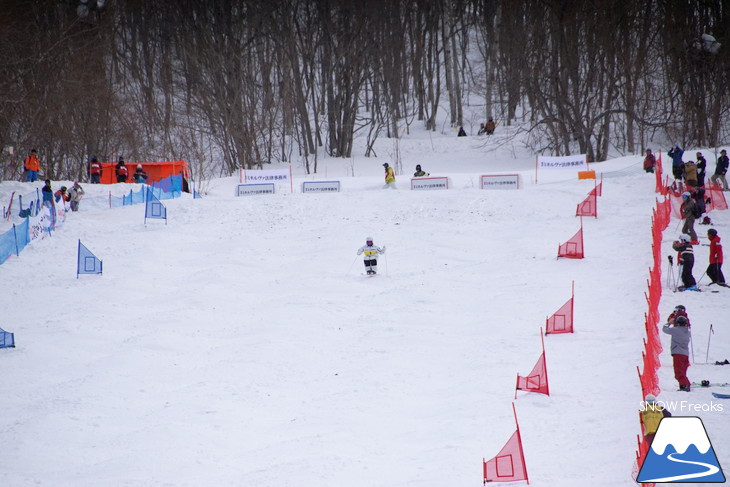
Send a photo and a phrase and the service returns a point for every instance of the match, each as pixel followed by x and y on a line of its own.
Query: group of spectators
pixel 32 167
pixel 692 172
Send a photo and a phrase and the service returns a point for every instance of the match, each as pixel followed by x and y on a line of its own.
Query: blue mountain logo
pixel 681 452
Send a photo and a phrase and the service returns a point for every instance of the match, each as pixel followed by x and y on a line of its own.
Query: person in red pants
pixel 680 349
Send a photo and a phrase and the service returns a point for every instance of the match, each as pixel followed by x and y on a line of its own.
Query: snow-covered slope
pixel 240 344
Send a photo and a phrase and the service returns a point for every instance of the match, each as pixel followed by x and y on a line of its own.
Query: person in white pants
pixel 370 253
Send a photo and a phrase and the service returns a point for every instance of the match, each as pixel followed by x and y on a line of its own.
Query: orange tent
pixel 155 170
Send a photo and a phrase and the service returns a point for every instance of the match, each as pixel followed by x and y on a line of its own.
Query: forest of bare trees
pixel 227 83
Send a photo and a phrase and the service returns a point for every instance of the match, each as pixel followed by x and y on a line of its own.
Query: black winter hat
pixel 681 321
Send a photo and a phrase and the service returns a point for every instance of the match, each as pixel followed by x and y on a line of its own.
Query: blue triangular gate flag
pixel 153 207
pixel 7 340
pixel 87 263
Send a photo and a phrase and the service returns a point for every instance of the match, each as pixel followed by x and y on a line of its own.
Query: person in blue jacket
pixel 676 154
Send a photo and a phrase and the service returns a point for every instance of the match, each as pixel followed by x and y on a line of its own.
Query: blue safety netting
pixel 165 189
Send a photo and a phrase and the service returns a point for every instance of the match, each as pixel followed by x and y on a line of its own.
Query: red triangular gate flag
pixel 573 248
pixel 509 464
pixel 589 206
pixel 537 379
pixel 562 320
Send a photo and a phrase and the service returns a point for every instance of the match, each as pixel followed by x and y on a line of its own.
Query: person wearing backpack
pixel 689 211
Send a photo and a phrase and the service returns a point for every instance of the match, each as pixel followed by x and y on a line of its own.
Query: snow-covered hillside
pixel 240 344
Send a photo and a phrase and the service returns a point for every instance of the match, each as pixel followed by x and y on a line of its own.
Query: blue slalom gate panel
pixel 87 262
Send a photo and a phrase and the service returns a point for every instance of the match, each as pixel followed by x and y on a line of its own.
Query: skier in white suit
pixel 370 253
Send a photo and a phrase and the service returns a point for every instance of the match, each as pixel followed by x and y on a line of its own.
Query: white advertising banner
pixel 430 183
pixel 573 163
pixel 321 187
pixel 500 181
pixel 250 189
pixel 278 176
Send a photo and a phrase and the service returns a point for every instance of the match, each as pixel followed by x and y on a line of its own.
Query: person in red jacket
pixel 95 170
pixel 122 171
pixel 714 270
pixel 649 161
pixel 32 167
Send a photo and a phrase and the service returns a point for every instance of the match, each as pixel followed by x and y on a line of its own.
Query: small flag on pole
pixel 153 207
pixel 87 263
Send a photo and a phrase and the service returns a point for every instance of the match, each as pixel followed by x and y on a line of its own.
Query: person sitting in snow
pixel 686 259
pixel 370 253
pixel 419 172
pixel 680 350
pixel 462 132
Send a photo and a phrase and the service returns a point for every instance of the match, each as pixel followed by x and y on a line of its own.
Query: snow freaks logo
pixel 681 452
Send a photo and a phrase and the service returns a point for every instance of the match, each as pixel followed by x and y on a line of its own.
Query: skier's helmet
pixel 681 321
pixel 369 240
pixel 684 237
pixel 712 232
pixel 679 307
pixel 385 165
pixel 63 188
pixel 650 398
pixel 686 195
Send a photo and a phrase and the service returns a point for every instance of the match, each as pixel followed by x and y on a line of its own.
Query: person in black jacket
pixel 687 261
pixel 721 170
pixel 419 172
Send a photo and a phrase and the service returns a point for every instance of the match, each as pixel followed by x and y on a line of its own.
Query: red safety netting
pixel 641 452
pixel 573 248
pixel 716 197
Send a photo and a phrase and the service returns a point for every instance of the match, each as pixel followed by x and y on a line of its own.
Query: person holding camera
pixel 676 154
pixel 685 259
pixel 680 334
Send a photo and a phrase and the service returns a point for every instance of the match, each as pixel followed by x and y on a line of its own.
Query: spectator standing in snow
pixel 389 176
pixel 680 349
pixel 701 168
pixel 676 153
pixel 370 253
pixel 47 193
pixel 490 127
pixel 461 133
pixel 721 170
pixel 650 415
pixel 690 173
pixel 139 175
pixel 649 161
pixel 686 259
pixel 690 212
pixel 419 172
pixel 121 171
pixel 32 166
pixel 714 270
pixel 95 170
pixel 75 194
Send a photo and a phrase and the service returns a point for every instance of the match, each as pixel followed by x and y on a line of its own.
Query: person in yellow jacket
pixel 32 167
pixel 389 176
pixel 370 253
pixel 650 416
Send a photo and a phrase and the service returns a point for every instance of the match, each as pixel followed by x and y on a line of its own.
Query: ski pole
pixel 680 271
pixel 692 344
pixel 700 279
pixel 353 263
pixel 709 337
pixel 670 272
